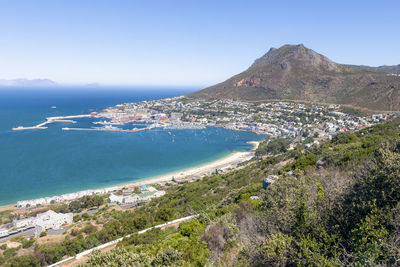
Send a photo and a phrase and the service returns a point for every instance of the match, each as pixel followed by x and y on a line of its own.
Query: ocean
pixel 40 163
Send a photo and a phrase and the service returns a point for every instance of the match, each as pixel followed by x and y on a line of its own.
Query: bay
pixel 39 163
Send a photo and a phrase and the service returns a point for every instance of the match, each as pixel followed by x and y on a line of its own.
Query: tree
pixel 24 261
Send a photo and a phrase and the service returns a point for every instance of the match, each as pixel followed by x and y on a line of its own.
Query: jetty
pixel 106 129
pixel 49 120
pixel 21 128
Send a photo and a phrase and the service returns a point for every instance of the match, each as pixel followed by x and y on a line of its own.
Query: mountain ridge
pixel 27 82
pixel 295 72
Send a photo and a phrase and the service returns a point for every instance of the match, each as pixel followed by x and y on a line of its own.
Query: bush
pixel 168 257
pixel 305 161
pixel 88 229
pixel 86 202
pixel 273 146
pixel 24 261
pixel 189 229
pixel 10 252
pixel 77 218
pixel 28 243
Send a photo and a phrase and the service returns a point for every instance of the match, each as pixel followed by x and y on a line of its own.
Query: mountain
pixel 295 72
pixel 28 82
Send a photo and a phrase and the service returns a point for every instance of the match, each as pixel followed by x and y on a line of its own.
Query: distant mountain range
pixel 28 82
pixel 295 72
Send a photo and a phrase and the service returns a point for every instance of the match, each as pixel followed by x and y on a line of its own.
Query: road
pixel 83 256
pixel 27 233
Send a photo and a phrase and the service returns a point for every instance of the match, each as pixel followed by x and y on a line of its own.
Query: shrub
pixel 28 243
pixel 10 252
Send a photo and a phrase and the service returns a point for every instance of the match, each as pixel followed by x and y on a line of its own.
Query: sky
pixel 184 43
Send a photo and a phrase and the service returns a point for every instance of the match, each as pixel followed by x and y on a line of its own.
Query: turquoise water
pixel 38 163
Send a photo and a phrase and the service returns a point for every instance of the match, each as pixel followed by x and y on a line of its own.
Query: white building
pixel 23 222
pixel 115 199
pixel 150 193
pixel 53 220
pixel 46 220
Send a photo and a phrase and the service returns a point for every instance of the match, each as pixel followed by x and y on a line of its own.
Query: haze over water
pixel 39 163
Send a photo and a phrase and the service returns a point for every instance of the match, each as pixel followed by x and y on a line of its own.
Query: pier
pixel 21 128
pixel 59 119
pixel 106 129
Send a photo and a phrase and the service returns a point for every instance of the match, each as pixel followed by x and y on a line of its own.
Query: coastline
pixel 229 161
pixel 193 173
pixel 190 174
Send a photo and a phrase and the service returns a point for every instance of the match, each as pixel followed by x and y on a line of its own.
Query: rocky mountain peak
pixel 295 72
pixel 297 56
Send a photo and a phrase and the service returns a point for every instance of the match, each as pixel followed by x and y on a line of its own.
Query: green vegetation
pixel 28 243
pixel 273 146
pixel 7 216
pixel 42 234
pixel 337 204
pixel 86 202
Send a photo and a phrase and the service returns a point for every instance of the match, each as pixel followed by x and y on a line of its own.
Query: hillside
pixel 295 72
pixel 333 205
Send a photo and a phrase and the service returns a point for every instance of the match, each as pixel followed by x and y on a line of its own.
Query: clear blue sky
pixel 186 42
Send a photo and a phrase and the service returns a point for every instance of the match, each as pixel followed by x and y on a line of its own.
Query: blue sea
pixel 39 163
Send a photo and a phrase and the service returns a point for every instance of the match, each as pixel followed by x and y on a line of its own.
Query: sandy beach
pixel 229 161
pixel 190 174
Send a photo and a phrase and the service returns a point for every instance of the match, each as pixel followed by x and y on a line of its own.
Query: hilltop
pixel 295 72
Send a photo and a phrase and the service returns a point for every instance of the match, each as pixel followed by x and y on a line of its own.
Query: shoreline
pixel 189 174
pixel 229 161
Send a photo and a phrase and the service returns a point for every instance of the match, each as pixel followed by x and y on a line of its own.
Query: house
pixel 23 222
pixel 47 220
pixel 115 199
pixel 150 193
pixel 53 220
pixel 175 116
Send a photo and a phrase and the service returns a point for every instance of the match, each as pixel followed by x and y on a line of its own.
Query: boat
pixel 53 107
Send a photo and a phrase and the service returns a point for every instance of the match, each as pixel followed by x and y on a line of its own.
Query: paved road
pixel 57 232
pixel 27 233
pixel 82 257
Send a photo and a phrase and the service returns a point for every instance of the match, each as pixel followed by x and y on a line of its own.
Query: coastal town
pixel 275 119
pixel 299 123
pixel 295 121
